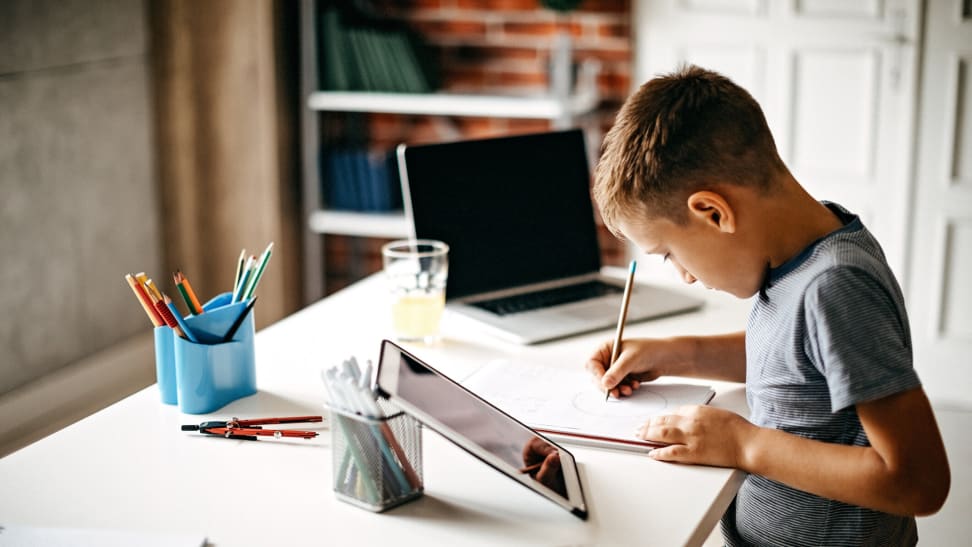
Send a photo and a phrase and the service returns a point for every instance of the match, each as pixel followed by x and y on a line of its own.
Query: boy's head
pixel 682 144
pixel 690 130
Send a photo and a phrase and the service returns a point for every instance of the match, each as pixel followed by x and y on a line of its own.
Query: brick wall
pixel 493 46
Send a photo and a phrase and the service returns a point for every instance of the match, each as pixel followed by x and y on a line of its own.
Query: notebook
pixel 524 259
pixel 564 405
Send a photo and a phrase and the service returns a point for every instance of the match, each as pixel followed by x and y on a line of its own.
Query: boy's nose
pixel 686 276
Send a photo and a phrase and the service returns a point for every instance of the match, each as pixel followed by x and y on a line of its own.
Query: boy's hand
pixel 640 360
pixel 699 434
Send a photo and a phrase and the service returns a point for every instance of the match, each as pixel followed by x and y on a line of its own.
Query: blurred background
pixel 156 135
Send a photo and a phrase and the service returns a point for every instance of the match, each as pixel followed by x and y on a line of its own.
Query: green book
pixel 388 62
pixel 411 65
pixel 334 54
pixel 378 61
pixel 360 59
pixel 397 61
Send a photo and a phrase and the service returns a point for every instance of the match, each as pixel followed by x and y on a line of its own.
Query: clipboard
pixel 563 405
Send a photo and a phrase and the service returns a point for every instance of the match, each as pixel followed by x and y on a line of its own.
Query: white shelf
pixel 351 223
pixel 455 104
pixel 568 102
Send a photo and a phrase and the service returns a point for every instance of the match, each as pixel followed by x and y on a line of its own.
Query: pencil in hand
pixel 622 317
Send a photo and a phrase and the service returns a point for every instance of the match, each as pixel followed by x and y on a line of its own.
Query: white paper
pixel 559 399
pixel 39 536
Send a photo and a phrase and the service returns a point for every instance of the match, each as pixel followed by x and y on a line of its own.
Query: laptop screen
pixel 514 210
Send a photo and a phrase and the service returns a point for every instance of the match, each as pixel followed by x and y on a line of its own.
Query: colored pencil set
pixel 377 458
pixel 162 311
pixel 249 271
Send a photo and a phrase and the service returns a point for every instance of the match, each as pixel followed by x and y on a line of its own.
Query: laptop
pixel 524 259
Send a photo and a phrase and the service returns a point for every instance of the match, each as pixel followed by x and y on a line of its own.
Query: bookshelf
pixel 562 106
pixel 458 104
pixel 353 223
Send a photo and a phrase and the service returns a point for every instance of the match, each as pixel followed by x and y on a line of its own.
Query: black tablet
pixel 479 428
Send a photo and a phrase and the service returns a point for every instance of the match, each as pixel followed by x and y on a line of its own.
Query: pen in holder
pixel 377 461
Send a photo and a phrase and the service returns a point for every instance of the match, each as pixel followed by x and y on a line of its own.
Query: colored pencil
pixel 239 321
pixel 185 297
pixel 179 320
pixel 145 301
pixel 244 279
pixel 622 317
pixel 251 285
pixel 182 283
pixel 170 319
pixel 239 268
pixel 153 291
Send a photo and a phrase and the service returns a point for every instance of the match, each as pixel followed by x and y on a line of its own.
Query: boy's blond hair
pixel 682 132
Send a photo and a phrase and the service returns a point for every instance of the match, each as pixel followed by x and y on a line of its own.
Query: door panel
pixel 955 302
pixel 940 299
pixel 870 9
pixel 834 125
pixel 959 119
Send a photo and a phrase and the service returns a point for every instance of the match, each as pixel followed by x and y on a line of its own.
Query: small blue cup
pixel 165 374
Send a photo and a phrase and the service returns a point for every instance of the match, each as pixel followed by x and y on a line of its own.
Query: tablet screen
pixel 480 428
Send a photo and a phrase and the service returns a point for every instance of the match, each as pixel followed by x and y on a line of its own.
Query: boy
pixel 842 446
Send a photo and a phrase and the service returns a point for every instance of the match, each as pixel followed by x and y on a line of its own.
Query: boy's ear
pixel 713 209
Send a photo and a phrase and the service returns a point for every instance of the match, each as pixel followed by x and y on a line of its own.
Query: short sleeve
pixel 857 337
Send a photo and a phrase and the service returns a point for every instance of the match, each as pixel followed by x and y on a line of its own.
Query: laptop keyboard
pixel 547 298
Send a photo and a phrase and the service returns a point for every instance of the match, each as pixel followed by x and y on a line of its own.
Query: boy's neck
pixel 795 220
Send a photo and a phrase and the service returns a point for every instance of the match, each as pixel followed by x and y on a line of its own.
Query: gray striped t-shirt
pixel 827 331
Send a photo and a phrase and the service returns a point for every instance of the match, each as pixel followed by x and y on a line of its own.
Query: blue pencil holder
pixel 165 374
pixel 206 376
pixel 213 373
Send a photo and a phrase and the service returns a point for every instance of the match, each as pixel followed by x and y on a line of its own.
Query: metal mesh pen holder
pixel 377 462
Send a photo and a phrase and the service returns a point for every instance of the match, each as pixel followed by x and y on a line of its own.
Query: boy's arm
pixel 719 357
pixel 904 471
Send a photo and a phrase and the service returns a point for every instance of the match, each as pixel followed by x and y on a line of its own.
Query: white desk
pixel 129 467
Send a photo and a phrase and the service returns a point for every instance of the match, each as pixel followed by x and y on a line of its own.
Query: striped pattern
pixel 829 330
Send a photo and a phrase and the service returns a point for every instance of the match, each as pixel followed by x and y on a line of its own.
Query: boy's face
pixel 701 251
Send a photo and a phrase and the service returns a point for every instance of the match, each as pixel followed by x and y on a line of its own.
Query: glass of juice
pixel 417 271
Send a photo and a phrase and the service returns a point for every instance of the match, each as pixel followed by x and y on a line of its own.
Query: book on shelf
pixel 360 52
pixel 335 74
pixel 356 180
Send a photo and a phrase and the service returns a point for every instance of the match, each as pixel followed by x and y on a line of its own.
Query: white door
pixel 941 270
pixel 835 78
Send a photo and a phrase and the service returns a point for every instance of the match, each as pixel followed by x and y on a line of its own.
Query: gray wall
pixel 78 206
